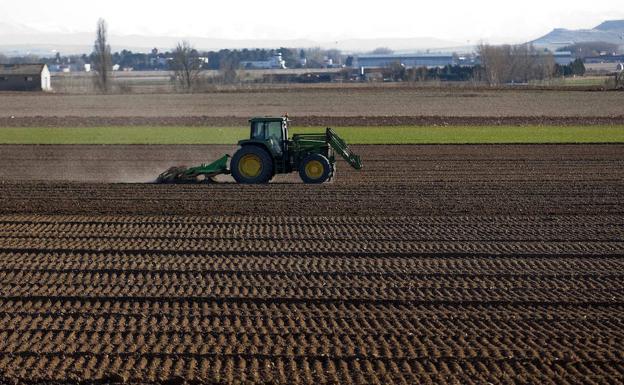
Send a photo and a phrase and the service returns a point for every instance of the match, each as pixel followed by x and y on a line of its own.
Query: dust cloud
pixel 101 163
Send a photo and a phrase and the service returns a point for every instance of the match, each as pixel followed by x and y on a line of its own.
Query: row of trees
pixel 499 65
pixel 185 62
pixel 212 60
pixel 515 63
pixel 398 72
pixel 576 68
pixel 215 60
pixel 522 63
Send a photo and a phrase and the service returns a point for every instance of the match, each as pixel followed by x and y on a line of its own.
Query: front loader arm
pixel 341 147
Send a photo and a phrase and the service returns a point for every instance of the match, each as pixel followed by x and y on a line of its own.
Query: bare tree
pixel 335 55
pixel 187 65
pixel 227 69
pixel 102 58
pixel 493 59
pixel 396 71
pixel 515 63
pixel 314 56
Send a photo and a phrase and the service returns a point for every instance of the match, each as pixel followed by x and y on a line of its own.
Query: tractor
pixel 269 152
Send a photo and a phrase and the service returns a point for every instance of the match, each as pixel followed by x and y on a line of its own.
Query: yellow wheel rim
pixel 314 169
pixel 250 165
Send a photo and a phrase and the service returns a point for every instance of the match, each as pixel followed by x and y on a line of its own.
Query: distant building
pixel 70 67
pixel 407 60
pixel 24 77
pixel 65 68
pixel 604 59
pixel 563 57
pixel 601 68
pixel 275 62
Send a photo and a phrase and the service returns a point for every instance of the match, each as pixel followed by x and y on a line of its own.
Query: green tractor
pixel 268 152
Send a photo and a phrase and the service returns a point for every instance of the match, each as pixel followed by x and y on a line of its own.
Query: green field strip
pixel 353 135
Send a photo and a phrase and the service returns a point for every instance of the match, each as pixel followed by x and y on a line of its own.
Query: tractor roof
pixel 269 119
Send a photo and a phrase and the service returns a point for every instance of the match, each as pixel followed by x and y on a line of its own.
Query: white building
pixel 274 62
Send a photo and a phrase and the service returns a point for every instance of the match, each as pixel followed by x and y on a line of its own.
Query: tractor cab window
pixel 270 132
pixel 266 131
pixel 275 131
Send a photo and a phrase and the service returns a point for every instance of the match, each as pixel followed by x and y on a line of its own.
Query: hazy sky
pixel 458 21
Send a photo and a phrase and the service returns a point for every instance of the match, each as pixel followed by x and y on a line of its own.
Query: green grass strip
pixel 353 135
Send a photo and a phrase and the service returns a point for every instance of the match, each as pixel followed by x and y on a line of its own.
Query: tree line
pixel 504 64
pixel 515 63
pixel 499 64
pixel 214 60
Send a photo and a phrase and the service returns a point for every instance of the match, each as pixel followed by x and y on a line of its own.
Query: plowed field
pixel 337 105
pixel 434 264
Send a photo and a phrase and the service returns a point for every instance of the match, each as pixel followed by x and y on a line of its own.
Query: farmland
pixel 337 101
pixel 435 263
pixel 442 264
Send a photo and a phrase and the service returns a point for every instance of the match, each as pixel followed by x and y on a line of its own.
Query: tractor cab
pixel 271 133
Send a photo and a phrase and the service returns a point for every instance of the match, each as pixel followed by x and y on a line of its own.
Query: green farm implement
pixel 268 152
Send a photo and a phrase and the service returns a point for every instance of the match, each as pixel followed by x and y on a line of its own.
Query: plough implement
pixel 204 172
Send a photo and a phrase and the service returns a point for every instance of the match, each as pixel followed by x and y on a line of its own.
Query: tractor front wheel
pixel 251 165
pixel 315 168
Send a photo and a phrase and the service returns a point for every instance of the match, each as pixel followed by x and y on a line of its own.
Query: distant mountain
pixel 611 31
pixel 19 40
pixel 611 25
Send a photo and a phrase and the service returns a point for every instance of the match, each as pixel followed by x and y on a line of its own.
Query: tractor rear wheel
pixel 251 165
pixel 315 168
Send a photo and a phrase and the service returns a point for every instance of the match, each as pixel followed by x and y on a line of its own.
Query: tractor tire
pixel 252 165
pixel 315 169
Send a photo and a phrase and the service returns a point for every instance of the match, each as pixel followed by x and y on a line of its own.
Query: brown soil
pixel 303 121
pixel 317 102
pixel 395 180
pixel 434 264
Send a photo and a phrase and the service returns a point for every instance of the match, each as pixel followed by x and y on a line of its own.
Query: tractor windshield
pixel 266 131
